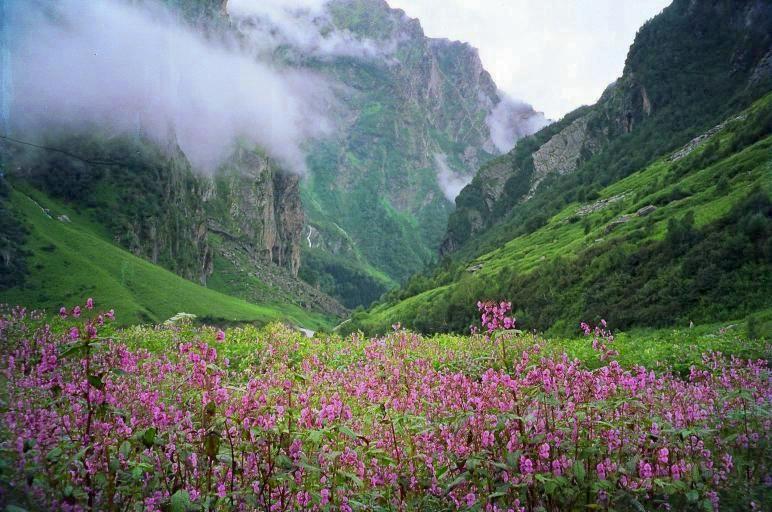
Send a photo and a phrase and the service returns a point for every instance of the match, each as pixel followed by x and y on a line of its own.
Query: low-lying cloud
pixel 511 120
pixel 77 65
pixel 305 26
pixel 450 182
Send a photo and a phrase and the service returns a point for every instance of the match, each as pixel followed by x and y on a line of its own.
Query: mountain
pixel 416 126
pixel 650 207
pixel 412 118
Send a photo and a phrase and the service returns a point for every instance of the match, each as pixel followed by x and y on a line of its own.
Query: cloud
pixel 511 120
pixel 450 183
pixel 80 65
pixel 305 26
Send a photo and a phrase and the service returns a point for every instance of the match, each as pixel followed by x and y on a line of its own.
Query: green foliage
pixel 144 198
pixel 13 257
pixel 73 260
pixel 703 255
pixel 352 284
pixel 694 63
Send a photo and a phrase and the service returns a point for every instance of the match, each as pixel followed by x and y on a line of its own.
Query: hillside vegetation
pixel 701 253
pixel 72 258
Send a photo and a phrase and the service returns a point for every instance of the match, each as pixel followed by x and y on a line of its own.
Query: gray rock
pixel 615 224
pixel 646 210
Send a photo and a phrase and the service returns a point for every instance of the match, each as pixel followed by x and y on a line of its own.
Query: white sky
pixel 554 54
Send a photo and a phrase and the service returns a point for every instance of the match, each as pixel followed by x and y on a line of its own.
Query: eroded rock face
pixel 252 203
pixel 561 153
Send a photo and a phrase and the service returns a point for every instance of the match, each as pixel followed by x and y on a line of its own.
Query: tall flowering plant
pixel 391 423
pixel 496 322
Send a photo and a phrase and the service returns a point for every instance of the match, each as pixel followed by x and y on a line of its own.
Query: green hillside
pixel 69 261
pixel 701 254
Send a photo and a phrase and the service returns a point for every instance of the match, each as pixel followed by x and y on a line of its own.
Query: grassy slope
pixel 561 238
pixel 72 261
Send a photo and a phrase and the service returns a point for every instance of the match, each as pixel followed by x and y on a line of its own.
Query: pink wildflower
pixel 662 455
pixel 544 451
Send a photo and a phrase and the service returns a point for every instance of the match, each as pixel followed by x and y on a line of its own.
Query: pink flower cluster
pixel 370 424
pixel 493 316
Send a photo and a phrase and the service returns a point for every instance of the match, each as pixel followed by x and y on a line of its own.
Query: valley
pixel 307 255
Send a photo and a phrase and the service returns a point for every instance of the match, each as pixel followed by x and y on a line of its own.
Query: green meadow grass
pixel 72 261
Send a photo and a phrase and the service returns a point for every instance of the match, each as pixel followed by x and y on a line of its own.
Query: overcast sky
pixel 554 54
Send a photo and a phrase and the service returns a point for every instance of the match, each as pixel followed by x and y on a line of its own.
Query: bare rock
pixel 646 210
pixel 616 223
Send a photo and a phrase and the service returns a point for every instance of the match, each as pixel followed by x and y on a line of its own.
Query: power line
pixel 62 151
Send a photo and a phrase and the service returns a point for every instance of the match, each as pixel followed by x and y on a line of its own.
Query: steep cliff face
pixel 254 204
pixel 147 198
pixel 687 70
pixel 246 221
pixel 377 182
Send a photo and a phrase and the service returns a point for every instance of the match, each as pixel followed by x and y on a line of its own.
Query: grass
pixel 676 350
pixel 69 262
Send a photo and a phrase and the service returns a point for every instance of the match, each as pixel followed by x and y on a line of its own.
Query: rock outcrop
pixel 257 206
pixel 561 154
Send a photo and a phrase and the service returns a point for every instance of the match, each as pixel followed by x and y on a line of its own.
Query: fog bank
pixel 80 65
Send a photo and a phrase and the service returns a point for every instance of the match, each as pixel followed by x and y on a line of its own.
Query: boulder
pixel 646 210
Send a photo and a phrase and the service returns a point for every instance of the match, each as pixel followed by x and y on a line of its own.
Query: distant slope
pixel 69 261
pixel 554 224
pixel 687 238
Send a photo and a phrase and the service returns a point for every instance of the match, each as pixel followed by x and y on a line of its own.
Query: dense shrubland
pixel 185 418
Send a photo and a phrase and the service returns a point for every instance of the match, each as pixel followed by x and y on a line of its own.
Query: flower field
pixel 184 418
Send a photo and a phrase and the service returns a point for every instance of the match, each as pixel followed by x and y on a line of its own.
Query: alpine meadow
pixel 324 256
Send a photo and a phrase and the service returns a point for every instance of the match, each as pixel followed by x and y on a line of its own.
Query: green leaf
pixel 343 429
pixel 315 436
pixel 74 350
pixel 692 496
pixel 125 449
pixel 354 478
pixel 148 436
pixel 579 472
pixel 458 481
pixel 54 454
pixel 180 501
pixel 96 381
pixel 284 462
